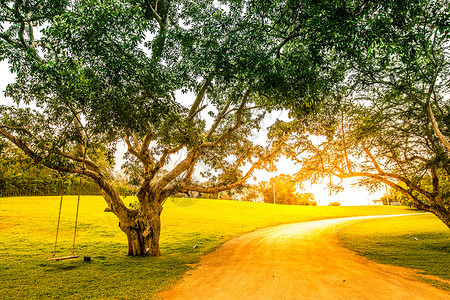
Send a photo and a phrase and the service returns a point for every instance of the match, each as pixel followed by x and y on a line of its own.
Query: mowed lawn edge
pixel 420 242
pixel 190 229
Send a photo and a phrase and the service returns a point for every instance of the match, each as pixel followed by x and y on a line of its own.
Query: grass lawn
pixel 27 233
pixel 420 242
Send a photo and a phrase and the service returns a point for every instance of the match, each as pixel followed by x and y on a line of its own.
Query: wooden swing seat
pixel 56 258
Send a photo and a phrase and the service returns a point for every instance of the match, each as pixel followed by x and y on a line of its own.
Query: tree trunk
pixel 442 214
pixel 143 229
pixel 142 226
pixel 435 208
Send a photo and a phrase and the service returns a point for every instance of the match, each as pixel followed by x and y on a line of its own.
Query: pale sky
pixel 350 196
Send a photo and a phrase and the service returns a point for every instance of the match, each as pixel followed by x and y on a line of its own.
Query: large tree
pixel 102 72
pixel 390 122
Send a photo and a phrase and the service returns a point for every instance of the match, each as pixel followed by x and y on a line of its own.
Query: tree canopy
pixel 104 72
pixel 370 76
pixel 389 122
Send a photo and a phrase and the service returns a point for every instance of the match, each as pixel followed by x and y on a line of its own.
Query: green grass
pixel 420 242
pixel 27 232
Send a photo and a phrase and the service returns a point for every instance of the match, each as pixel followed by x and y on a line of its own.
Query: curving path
pixel 297 261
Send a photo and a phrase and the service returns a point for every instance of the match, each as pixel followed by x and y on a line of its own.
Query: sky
pixel 350 196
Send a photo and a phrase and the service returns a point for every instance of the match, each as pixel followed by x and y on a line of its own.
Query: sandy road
pixel 296 261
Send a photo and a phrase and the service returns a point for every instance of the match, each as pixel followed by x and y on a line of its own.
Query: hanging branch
pixel 435 126
pixel 349 166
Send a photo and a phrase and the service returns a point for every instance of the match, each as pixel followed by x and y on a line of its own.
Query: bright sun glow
pixel 351 195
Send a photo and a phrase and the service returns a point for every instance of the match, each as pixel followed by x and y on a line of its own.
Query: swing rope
pixel 72 255
pixel 59 217
pixel 78 202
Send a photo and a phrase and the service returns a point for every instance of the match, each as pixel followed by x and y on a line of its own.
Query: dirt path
pixel 297 261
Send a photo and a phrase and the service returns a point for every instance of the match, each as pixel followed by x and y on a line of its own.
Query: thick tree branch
pixel 435 126
pixel 436 188
pixel 161 162
pixel 242 108
pixel 177 170
pixel 88 162
pixel 427 106
pixel 30 30
pixel 22 146
pixel 190 171
pixel 286 40
pixel 140 151
pixel 21 34
pixel 114 202
pixel 431 116
pixel 153 11
pixel 198 100
pixel 245 109
pixel 237 124
pixel 146 142
pixel 187 185
pixel 382 178
pixel 131 148
pixel 17 128
pixel 374 161
pixel 435 180
pixel 168 152
pixel 10 41
pixel 137 143
pixel 217 121
pixel 79 126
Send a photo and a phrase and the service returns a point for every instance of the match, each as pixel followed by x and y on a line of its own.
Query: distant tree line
pixel 20 176
pixel 279 190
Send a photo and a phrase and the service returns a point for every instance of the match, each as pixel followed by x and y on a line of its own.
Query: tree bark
pixel 143 235
pixel 442 213
pixel 435 126
pixel 143 227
